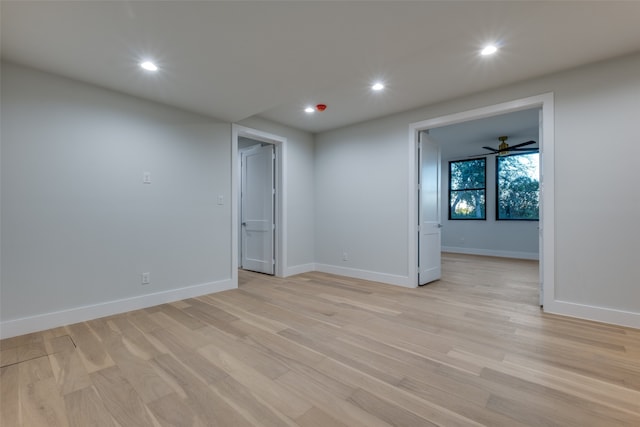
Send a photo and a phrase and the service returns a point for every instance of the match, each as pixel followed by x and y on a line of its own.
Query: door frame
pixel 280 144
pixel 547 186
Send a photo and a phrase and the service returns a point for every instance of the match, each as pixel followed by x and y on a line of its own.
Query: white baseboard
pixel 299 269
pixel 374 276
pixel 11 328
pixel 41 322
pixel 489 252
pixel 597 314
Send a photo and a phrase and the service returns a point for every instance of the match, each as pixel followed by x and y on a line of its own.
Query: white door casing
pixel 429 229
pixel 257 209
pixel 281 183
pixel 547 218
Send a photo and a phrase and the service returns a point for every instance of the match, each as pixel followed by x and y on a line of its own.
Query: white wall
pixel 361 199
pixel 79 226
pixel 362 194
pixel 300 187
pixel 513 239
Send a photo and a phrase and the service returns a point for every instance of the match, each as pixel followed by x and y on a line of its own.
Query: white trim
pixel 235 171
pixel 547 209
pixel 374 276
pixel 547 201
pixel 597 314
pixel 280 143
pixel 299 269
pixel 41 322
pixel 489 252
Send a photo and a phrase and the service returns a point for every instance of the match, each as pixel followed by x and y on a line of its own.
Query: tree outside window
pixel 518 187
pixel 467 189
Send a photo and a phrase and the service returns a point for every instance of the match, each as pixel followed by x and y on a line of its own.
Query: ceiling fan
pixel 504 148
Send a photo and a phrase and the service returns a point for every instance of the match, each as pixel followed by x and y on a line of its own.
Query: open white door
pixel 429 230
pixel 257 209
pixel 541 198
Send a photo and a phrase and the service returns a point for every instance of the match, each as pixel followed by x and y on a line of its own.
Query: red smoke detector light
pixel 321 107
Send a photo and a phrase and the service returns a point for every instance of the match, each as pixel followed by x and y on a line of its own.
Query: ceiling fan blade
pixel 522 144
pixel 516 147
pixel 491 149
pixel 498 152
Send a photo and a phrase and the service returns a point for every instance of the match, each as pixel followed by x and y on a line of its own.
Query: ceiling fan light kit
pixel 503 148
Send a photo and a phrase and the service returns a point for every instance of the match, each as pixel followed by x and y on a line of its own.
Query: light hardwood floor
pixel 319 350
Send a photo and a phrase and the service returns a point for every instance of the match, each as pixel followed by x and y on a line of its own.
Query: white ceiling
pixel 234 60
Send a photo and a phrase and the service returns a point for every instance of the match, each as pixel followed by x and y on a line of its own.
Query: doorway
pixel 258 217
pixel 546 221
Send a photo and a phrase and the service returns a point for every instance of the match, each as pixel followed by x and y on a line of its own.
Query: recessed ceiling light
pixel 377 86
pixel 489 50
pixel 309 110
pixel 149 66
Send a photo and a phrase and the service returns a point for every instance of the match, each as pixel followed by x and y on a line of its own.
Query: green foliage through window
pixel 518 187
pixel 467 189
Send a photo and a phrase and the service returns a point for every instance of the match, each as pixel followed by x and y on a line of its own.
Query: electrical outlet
pixel 146 278
pixel 345 256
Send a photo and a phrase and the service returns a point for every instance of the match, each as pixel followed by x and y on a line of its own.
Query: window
pixel 518 187
pixel 467 189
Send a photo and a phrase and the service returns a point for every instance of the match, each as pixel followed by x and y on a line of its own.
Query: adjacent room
pixel 319 213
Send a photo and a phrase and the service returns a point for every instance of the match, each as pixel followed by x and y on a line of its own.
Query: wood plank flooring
pixel 317 350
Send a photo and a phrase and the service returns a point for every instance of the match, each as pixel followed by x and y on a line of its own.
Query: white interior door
pixel 541 198
pixel 429 230
pixel 257 209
